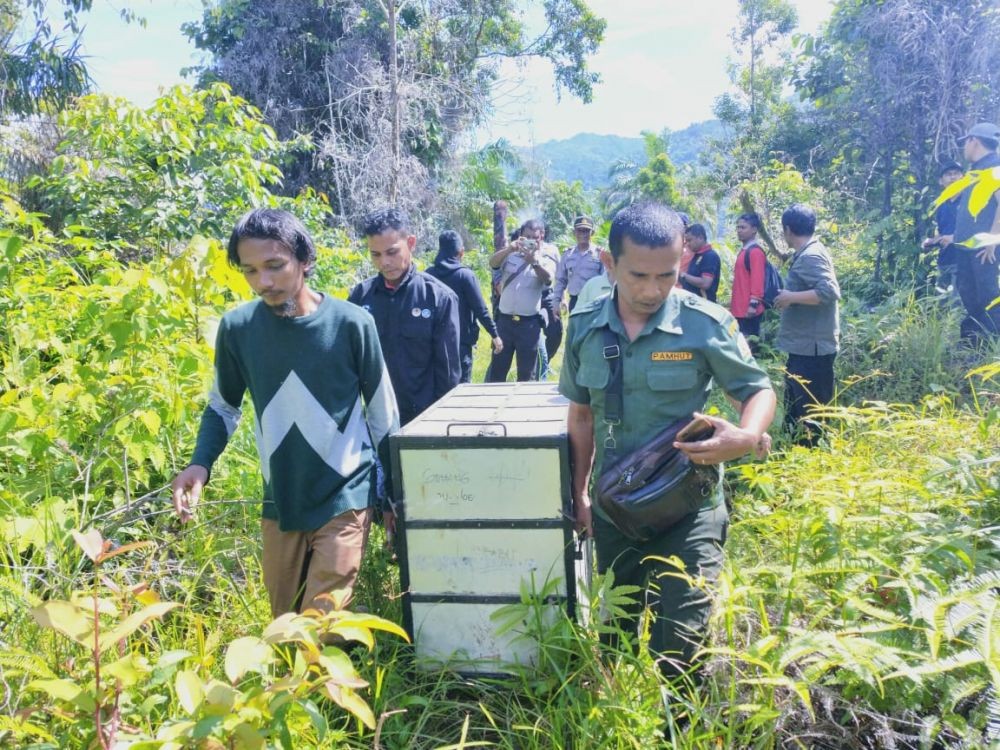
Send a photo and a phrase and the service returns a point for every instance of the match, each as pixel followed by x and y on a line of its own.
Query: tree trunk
pixel 394 96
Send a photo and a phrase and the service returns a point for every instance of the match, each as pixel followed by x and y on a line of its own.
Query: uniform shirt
pixel 811 330
pixel 307 377
pixel 417 325
pixel 668 370
pixel 523 296
pixel 575 269
pixel 597 287
pixel 705 262
pixel 747 284
pixel 967 226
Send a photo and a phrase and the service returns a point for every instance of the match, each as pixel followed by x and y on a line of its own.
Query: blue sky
pixel 663 63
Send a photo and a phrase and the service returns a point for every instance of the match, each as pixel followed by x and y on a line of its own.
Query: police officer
pixel 673 346
pixel 526 270
pixel 415 314
pixel 578 264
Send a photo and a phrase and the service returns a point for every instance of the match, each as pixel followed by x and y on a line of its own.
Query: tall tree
pixel 325 68
pixel 759 70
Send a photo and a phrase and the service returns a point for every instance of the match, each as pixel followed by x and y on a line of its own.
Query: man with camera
pixel 526 271
pixel 636 362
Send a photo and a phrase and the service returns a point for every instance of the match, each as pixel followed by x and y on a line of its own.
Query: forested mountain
pixel 588 157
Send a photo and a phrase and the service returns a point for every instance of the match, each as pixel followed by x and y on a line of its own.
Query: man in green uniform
pixel 673 346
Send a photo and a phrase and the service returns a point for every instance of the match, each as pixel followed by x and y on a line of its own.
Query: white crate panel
pixel 473 483
pixel 484 561
pixel 463 637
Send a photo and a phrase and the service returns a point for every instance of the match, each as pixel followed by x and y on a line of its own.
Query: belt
pixel 518 318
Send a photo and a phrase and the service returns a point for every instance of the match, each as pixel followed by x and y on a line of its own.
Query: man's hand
pixel 583 516
pixel 756 308
pixel 497 345
pixel 389 521
pixel 783 300
pixel 563 308
pixel 987 254
pixel 728 442
pixel 186 489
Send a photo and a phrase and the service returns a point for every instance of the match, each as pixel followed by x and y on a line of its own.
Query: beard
pixel 287 309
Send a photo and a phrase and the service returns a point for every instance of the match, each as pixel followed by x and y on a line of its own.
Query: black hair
pixel 449 244
pixel 533 224
pixel 799 219
pixel 278 225
pixel 750 218
pixel 384 220
pixel 951 166
pixel 697 230
pixel 685 219
pixel 648 223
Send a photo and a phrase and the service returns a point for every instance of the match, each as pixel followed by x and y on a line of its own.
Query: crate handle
pixel 483 432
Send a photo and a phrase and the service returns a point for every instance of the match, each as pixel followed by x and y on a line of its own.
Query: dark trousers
pixel 553 332
pixel 465 359
pixel 808 383
pixel 978 287
pixel 520 335
pixel 751 327
pixel 572 301
pixel 681 610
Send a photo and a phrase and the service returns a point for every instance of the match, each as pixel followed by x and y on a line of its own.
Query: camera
pixel 529 245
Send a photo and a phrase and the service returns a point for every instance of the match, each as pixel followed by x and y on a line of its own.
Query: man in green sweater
pixel 324 409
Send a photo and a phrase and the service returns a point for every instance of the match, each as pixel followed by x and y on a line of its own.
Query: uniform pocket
pixel 672 378
pixel 416 328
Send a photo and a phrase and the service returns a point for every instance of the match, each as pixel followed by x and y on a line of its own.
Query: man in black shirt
pixel 415 314
pixel 944 218
pixel 702 275
pixel 462 281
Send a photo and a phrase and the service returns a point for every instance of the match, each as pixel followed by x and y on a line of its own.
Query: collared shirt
pixel 967 226
pixel 576 268
pixel 417 324
pixel 597 287
pixel 523 295
pixel 668 370
pixel 811 330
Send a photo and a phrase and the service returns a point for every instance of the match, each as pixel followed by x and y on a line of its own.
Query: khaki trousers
pixel 299 565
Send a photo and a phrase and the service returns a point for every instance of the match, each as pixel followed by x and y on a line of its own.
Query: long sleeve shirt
pixel 747 284
pixel 417 323
pixel 323 402
pixel 811 330
pixel 472 308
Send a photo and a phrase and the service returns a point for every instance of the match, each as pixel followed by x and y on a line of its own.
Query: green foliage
pixel 42 72
pixel 189 164
pixel 656 180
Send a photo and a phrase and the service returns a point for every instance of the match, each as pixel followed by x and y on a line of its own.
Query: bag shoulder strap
pixel 509 279
pixel 614 390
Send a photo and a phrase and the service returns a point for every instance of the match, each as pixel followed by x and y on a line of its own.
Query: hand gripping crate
pixel 484 478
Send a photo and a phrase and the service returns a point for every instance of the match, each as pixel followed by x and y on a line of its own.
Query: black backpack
pixel 773 283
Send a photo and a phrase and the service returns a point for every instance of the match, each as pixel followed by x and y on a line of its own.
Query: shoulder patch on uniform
pixel 744 347
pixel 588 307
pixel 671 356
pixel 702 305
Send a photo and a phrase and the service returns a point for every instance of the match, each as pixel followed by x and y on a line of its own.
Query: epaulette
pixel 591 306
pixel 716 312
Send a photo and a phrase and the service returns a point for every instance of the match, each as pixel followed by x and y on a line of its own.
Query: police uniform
pixel 417 322
pixel 668 371
pixel 576 268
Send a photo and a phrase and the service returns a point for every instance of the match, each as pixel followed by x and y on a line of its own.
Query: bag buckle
pixel 609 442
pixel 612 352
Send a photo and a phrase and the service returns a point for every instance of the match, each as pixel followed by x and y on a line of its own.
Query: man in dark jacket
pixel 462 281
pixel 415 314
pixel 977 267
